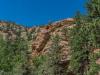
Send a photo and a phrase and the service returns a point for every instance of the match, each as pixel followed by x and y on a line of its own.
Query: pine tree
pixel 84 39
pixel 12 56
pixel 93 7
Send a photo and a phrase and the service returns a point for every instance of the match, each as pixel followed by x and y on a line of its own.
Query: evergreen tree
pixel 84 39
pixel 12 56
pixel 93 7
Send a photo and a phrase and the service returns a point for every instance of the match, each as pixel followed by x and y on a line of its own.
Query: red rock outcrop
pixel 43 41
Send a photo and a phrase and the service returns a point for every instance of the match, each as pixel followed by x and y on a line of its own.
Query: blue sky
pixel 38 12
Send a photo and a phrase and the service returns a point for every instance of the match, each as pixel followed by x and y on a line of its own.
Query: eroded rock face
pixel 43 42
pixel 9 35
pixel 96 50
pixel 98 61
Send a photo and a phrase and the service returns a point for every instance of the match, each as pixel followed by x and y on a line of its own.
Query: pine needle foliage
pixel 84 39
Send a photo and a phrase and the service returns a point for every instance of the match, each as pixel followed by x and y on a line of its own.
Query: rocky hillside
pixel 42 43
pixel 66 47
pixel 39 38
